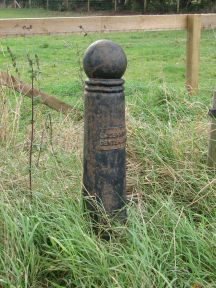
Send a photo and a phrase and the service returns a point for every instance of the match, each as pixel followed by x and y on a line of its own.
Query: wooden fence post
pixel 115 5
pixel 193 52
pixel 178 6
pixel 66 4
pixel 211 160
pixel 88 5
pixel 145 6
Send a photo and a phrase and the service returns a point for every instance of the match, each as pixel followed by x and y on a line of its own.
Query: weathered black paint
pixel 212 113
pixel 104 60
pixel 104 141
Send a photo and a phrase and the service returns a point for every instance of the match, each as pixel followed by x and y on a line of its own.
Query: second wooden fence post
pixel 193 52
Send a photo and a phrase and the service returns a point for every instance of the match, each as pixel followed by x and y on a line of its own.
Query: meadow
pixel 40 12
pixel 46 239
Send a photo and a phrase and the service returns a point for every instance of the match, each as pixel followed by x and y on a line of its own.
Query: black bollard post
pixel 211 159
pixel 104 130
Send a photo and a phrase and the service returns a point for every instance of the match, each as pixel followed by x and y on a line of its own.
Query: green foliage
pixel 153 6
pixel 170 6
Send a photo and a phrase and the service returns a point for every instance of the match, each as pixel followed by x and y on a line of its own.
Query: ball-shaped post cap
pixel 104 60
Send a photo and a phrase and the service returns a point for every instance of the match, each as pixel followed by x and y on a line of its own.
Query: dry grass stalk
pixel 4 115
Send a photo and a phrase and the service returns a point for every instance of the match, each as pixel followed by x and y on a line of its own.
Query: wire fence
pixel 144 6
pixel 67 5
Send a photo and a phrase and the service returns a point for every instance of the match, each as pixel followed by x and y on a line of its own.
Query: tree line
pixel 144 6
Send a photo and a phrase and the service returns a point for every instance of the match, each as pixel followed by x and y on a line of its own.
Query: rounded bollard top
pixel 104 59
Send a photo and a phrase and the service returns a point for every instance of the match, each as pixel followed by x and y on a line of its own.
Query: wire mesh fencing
pixel 144 6
pixel 67 5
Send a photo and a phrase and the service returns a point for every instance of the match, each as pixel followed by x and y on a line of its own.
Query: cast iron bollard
pixel 104 130
pixel 211 159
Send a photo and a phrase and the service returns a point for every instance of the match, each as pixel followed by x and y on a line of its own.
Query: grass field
pixel 40 12
pixel 169 240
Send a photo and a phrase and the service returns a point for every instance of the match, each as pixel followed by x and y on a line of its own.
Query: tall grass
pixel 169 239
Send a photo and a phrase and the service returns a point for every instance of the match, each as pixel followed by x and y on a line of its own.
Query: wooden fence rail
pixel 192 23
